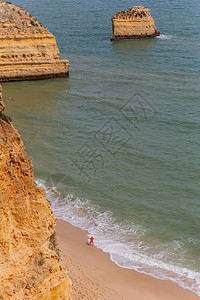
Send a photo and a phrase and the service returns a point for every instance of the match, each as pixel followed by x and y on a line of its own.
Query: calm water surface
pixel 131 177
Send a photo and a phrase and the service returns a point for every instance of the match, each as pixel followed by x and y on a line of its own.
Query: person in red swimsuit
pixel 91 241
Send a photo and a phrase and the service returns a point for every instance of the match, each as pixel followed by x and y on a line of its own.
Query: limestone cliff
pixel 30 266
pixel 134 23
pixel 27 49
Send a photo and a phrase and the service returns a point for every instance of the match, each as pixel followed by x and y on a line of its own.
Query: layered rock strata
pixel 27 49
pixel 134 23
pixel 30 266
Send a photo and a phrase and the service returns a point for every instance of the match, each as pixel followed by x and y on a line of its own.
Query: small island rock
pixel 134 23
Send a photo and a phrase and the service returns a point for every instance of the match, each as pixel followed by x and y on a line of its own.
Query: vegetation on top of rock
pixel 133 13
pixel 16 21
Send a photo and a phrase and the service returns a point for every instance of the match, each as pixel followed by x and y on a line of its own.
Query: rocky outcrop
pixel 27 49
pixel 134 23
pixel 30 265
pixel 2 106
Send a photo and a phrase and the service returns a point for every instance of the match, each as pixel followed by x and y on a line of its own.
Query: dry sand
pixel 95 276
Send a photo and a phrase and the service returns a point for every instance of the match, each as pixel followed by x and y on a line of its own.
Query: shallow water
pixel 116 145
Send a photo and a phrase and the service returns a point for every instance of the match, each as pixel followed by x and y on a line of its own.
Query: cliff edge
pixel 30 265
pixel 27 49
pixel 134 23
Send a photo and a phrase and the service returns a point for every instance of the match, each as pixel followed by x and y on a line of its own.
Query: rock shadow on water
pixel 127 46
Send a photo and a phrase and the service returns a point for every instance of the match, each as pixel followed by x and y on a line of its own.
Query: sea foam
pixel 164 37
pixel 123 241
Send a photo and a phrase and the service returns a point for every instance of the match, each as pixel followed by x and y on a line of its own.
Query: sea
pixel 117 144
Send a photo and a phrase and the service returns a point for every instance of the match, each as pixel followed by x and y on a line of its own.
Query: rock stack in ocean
pixel 27 49
pixel 30 265
pixel 134 23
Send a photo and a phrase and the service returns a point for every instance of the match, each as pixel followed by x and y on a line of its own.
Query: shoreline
pixel 95 276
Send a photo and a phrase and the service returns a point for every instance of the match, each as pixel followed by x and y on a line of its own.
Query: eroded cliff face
pixel 27 49
pixel 30 266
pixel 134 23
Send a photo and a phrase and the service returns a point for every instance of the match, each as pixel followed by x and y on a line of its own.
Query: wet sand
pixel 95 276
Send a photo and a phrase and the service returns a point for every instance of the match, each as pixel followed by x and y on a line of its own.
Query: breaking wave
pixel 125 242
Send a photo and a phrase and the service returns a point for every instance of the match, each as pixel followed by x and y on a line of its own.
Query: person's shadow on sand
pixel 87 243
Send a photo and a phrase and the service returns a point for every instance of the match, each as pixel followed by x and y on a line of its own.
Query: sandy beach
pixel 95 276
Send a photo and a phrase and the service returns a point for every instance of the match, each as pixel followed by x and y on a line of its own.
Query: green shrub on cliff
pixel 5 118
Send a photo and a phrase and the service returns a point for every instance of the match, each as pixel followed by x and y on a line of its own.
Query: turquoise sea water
pixel 117 145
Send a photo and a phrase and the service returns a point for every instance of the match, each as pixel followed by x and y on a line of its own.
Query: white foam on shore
pixel 122 241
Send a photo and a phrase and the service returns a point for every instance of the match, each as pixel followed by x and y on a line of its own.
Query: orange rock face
pixel 134 23
pixel 27 49
pixel 30 265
